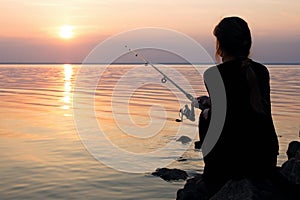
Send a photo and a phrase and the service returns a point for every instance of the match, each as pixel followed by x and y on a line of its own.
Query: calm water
pixel 43 157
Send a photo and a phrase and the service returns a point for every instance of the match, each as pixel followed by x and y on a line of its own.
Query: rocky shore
pixel 283 186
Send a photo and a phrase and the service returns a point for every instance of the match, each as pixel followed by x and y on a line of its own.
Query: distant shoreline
pixel 127 63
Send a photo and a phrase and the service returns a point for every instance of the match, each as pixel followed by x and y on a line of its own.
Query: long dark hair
pixel 234 38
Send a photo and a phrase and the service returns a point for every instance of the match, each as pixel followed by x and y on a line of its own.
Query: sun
pixel 66 32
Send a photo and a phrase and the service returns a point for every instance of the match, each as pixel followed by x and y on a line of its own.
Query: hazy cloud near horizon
pixel 23 50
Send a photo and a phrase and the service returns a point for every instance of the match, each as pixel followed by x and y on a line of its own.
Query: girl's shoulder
pixel 259 67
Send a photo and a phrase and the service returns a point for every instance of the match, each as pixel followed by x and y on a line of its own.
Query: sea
pixel 97 131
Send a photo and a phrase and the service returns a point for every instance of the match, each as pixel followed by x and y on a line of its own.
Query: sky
pixel 31 29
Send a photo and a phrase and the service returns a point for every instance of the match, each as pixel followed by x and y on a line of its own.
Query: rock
pixel 184 139
pixel 170 174
pixel 293 150
pixel 193 190
pixel 181 159
pixel 291 170
pixel 198 144
pixel 284 185
pixel 244 189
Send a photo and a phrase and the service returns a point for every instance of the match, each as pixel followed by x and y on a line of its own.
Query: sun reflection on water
pixel 68 72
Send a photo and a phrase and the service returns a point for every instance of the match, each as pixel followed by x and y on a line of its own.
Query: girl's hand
pixel 202 102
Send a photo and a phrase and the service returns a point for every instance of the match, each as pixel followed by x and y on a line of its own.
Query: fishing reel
pixel 187 113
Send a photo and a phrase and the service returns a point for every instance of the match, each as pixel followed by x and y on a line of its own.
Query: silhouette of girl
pixel 248 145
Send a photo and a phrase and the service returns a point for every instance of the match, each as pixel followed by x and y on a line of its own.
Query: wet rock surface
pixel 170 174
pixel 242 189
pixel 284 186
pixel 184 139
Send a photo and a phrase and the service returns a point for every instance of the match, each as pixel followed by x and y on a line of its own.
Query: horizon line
pixel 133 63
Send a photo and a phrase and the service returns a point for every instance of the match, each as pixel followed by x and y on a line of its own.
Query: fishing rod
pixel 185 111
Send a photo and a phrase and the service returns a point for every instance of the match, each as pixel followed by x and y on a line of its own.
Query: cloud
pixel 37 50
pixel 264 49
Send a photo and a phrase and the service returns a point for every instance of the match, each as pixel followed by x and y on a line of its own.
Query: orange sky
pixel 30 28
